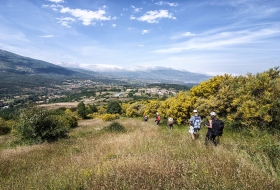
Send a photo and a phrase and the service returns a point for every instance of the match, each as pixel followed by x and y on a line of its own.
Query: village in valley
pixel 71 92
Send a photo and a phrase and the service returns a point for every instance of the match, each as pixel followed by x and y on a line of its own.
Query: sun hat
pixel 213 113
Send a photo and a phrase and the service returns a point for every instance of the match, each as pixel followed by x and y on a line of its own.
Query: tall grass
pixel 146 156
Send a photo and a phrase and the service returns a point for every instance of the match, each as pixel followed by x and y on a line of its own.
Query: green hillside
pixel 13 63
pixel 142 155
pixel 145 157
pixel 18 73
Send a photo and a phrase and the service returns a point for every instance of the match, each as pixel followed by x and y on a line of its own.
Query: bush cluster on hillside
pixel 114 108
pixel 36 125
pixel 85 110
pixel 245 101
pixel 110 117
pixel 5 127
pixel 115 127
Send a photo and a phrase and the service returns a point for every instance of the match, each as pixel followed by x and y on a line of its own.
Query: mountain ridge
pixel 14 63
pixel 11 63
pixel 161 75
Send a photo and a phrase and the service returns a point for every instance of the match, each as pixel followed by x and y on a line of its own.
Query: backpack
pixel 197 121
pixel 217 127
pixel 158 118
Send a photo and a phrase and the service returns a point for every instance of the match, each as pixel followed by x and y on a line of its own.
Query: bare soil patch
pixel 59 105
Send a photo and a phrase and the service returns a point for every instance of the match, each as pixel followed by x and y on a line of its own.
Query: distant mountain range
pixel 162 75
pixel 25 70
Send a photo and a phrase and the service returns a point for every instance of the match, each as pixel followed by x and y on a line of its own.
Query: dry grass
pixel 59 105
pixel 145 157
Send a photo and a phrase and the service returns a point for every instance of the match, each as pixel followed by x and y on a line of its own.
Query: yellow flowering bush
pixel 110 117
pixel 247 101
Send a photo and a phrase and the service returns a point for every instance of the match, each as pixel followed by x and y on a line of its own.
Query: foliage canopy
pixel 114 108
pixel 245 101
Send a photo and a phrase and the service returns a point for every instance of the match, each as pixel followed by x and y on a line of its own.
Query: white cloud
pixel 114 25
pixel 86 16
pixel 145 31
pixel 116 68
pixel 154 16
pixel 18 37
pixel 166 3
pixel 140 45
pixel 46 36
pixel 186 34
pixel 136 9
pixel 132 17
pixel 57 1
pixel 69 64
pixel 222 39
pixel 52 6
pixel 101 67
pixel 65 21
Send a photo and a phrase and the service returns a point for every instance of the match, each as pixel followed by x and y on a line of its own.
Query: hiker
pixel 157 118
pixel 146 118
pixel 194 122
pixel 215 129
pixel 170 123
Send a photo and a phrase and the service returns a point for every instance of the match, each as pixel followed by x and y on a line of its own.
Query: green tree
pixel 93 108
pixel 130 94
pixel 82 111
pixel 37 125
pixel 113 108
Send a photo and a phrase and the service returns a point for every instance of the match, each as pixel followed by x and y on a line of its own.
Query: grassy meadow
pixel 146 156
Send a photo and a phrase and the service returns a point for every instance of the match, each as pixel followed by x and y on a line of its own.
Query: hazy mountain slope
pixel 21 74
pixel 13 63
pixel 161 75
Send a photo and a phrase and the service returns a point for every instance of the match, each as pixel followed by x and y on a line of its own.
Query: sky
pixel 202 36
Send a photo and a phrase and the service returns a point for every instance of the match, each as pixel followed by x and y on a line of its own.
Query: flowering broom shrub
pixel 245 101
pixel 110 117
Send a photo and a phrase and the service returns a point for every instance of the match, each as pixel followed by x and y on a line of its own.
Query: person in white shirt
pixel 194 122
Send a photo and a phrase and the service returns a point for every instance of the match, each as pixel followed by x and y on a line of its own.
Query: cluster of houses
pixel 3 105
pixel 150 91
pixel 107 90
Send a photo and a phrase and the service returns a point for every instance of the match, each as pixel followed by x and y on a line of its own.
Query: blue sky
pixel 213 37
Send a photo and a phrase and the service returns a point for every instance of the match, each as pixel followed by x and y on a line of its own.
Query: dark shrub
pixel 39 125
pixel 93 108
pixel 82 111
pixel 113 108
pixel 4 130
pixel 115 127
